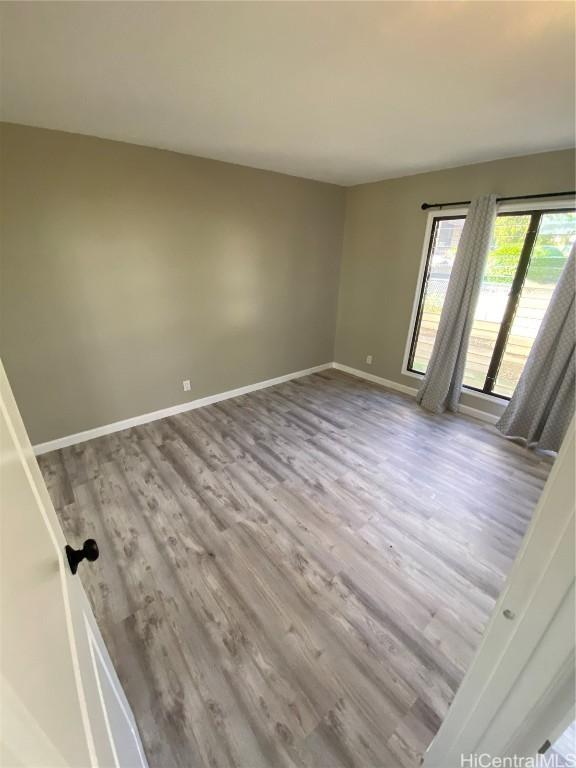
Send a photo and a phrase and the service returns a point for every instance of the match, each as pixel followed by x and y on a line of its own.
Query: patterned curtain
pixel 542 405
pixel 442 383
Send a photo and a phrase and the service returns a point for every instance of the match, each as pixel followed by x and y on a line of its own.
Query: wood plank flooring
pixel 299 576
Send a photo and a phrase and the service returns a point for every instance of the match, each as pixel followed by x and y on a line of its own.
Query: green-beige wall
pixel 127 269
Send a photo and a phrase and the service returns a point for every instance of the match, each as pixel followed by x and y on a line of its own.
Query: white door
pixel 61 701
pixel 521 682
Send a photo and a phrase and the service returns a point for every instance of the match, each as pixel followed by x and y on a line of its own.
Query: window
pixel 527 255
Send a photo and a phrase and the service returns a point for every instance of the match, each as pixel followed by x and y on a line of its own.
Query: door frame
pixel 525 663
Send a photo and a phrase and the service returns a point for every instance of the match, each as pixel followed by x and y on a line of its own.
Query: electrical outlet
pixel 186 385
pixel 369 359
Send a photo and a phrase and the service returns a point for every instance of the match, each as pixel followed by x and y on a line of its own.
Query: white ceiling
pixel 345 92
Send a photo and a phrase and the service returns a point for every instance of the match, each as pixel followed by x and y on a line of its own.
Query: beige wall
pixel 383 239
pixel 128 269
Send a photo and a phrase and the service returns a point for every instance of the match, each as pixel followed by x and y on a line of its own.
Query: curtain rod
pixel 426 206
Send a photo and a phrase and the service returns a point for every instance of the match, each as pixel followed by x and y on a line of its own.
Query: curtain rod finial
pixel 425 206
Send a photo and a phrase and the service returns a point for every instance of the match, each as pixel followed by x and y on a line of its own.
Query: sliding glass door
pixel 528 252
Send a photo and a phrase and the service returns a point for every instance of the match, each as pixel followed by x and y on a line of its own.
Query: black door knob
pixel 89 552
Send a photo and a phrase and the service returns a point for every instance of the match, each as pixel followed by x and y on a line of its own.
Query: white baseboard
pixel 467 410
pixel 376 379
pixel 476 413
pixel 145 418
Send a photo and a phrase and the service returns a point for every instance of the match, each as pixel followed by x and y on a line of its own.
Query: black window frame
pixel 513 297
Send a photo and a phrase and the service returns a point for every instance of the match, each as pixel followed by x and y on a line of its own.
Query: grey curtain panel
pixel 442 383
pixel 543 402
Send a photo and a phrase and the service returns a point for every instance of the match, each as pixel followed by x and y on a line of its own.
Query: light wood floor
pixel 297 577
